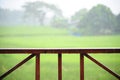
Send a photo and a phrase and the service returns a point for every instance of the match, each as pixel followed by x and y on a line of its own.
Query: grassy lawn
pixel 60 41
pixel 56 38
pixel 70 67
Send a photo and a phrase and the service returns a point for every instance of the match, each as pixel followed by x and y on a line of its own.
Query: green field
pixel 42 37
pixel 47 37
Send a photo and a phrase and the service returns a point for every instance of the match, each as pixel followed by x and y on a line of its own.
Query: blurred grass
pixel 70 67
pixel 60 41
pixel 51 37
pixel 49 61
pixel 31 30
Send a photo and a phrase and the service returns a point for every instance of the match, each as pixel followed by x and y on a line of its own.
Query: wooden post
pixel 37 75
pixel 59 66
pixel 81 66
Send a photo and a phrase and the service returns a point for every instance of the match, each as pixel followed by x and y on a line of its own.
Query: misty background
pixel 60 24
pixel 98 19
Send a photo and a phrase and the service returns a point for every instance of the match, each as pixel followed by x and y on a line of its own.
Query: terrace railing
pixel 36 53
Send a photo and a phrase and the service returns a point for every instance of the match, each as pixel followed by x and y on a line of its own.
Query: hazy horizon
pixel 68 8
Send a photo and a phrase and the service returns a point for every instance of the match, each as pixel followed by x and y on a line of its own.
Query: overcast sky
pixel 69 7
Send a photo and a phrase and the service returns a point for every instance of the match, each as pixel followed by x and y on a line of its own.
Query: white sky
pixel 69 7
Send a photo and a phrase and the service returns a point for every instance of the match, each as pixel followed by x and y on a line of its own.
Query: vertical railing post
pixel 59 66
pixel 37 74
pixel 81 66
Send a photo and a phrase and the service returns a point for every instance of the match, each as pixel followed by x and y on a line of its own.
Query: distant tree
pixel 58 19
pixel 59 22
pixel 37 11
pixel 78 16
pixel 117 30
pixel 9 18
pixel 3 15
pixel 98 21
pixel 75 20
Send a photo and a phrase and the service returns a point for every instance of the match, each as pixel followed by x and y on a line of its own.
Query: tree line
pixel 97 21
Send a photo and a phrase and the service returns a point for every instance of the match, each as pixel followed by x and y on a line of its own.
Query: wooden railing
pixel 36 53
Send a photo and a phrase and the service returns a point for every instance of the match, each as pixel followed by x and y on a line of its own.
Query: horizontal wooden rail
pixel 37 51
pixel 58 50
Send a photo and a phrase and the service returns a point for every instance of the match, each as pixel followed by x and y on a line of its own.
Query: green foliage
pixel 118 24
pixel 10 17
pixel 36 11
pixel 78 16
pixel 75 20
pixel 98 21
pixel 59 22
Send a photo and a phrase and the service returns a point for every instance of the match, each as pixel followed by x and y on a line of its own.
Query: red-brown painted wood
pixel 56 50
pixel 82 66
pixel 103 66
pixel 37 75
pixel 59 66
pixel 17 66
